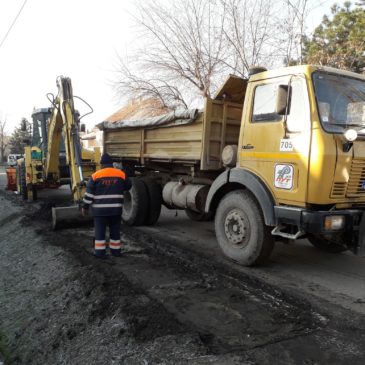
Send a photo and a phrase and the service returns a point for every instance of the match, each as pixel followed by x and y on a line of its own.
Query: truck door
pixel 276 147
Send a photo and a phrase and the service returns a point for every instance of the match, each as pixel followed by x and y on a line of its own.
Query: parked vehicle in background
pixel 12 158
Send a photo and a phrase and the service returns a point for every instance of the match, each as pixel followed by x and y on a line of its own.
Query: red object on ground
pixel 11 175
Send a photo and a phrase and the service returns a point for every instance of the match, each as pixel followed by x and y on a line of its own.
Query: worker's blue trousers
pixel 100 225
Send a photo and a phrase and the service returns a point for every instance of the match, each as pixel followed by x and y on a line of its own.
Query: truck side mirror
pixel 82 128
pixel 282 99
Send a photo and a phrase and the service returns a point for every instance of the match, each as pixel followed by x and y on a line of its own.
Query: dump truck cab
pixel 301 151
pixel 301 157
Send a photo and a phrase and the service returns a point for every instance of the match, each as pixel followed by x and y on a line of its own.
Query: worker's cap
pixel 106 160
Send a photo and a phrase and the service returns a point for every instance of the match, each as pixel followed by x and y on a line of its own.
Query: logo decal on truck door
pixel 284 176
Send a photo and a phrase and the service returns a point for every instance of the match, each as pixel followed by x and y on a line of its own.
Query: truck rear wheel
pixel 326 245
pixel 135 207
pixel 154 192
pixel 240 229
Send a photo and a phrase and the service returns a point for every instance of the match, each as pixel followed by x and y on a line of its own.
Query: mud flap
pixel 360 249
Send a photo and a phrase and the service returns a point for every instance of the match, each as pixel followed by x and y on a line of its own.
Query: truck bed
pixel 198 143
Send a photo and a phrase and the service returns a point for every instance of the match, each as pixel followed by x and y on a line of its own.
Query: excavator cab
pixel 41 119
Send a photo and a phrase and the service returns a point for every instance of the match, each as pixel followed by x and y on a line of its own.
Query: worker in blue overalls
pixel 104 192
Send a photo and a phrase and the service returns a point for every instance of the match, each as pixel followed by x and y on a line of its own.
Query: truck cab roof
pixel 302 69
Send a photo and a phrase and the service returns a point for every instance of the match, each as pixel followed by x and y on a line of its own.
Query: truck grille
pixel 338 190
pixel 356 184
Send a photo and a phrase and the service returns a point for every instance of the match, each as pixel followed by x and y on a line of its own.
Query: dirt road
pixel 171 298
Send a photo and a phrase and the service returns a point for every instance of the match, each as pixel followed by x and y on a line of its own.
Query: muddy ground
pixel 157 304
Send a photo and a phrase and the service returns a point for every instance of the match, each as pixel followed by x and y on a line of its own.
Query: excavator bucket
pixel 69 217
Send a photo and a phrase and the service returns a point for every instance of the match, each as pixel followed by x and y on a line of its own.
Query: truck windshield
pixel 341 102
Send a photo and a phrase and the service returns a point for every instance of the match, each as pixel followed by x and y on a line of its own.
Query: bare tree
pixel 297 11
pixel 3 139
pixel 289 36
pixel 149 86
pixel 266 32
pixel 251 32
pixel 184 51
pixel 187 48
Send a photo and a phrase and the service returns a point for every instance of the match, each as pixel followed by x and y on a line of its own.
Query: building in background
pixel 137 109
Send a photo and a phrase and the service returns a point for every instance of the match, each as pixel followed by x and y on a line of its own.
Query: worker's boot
pixel 116 252
pixel 100 254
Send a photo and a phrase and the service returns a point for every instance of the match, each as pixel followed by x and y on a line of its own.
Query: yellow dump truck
pixel 277 156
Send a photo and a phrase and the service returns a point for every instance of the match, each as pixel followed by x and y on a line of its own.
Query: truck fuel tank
pixel 178 194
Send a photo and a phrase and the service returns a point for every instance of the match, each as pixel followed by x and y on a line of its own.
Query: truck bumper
pixel 313 222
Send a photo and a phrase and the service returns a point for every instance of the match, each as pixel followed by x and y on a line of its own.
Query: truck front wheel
pixel 240 229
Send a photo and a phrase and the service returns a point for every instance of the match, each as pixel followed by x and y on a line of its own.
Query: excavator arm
pixel 63 122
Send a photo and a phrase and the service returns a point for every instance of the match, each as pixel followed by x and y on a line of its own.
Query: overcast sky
pixel 75 38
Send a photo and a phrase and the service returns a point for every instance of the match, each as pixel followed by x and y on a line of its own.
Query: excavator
pixel 55 156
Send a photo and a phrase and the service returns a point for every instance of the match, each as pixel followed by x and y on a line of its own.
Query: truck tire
pixel 135 207
pixel 199 217
pixel 240 229
pixel 23 182
pixel 154 193
pixel 326 245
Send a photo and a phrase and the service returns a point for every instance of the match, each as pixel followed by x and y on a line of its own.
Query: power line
pixel 12 24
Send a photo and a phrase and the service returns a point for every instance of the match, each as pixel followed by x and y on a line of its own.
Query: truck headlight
pixel 350 135
pixel 334 222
